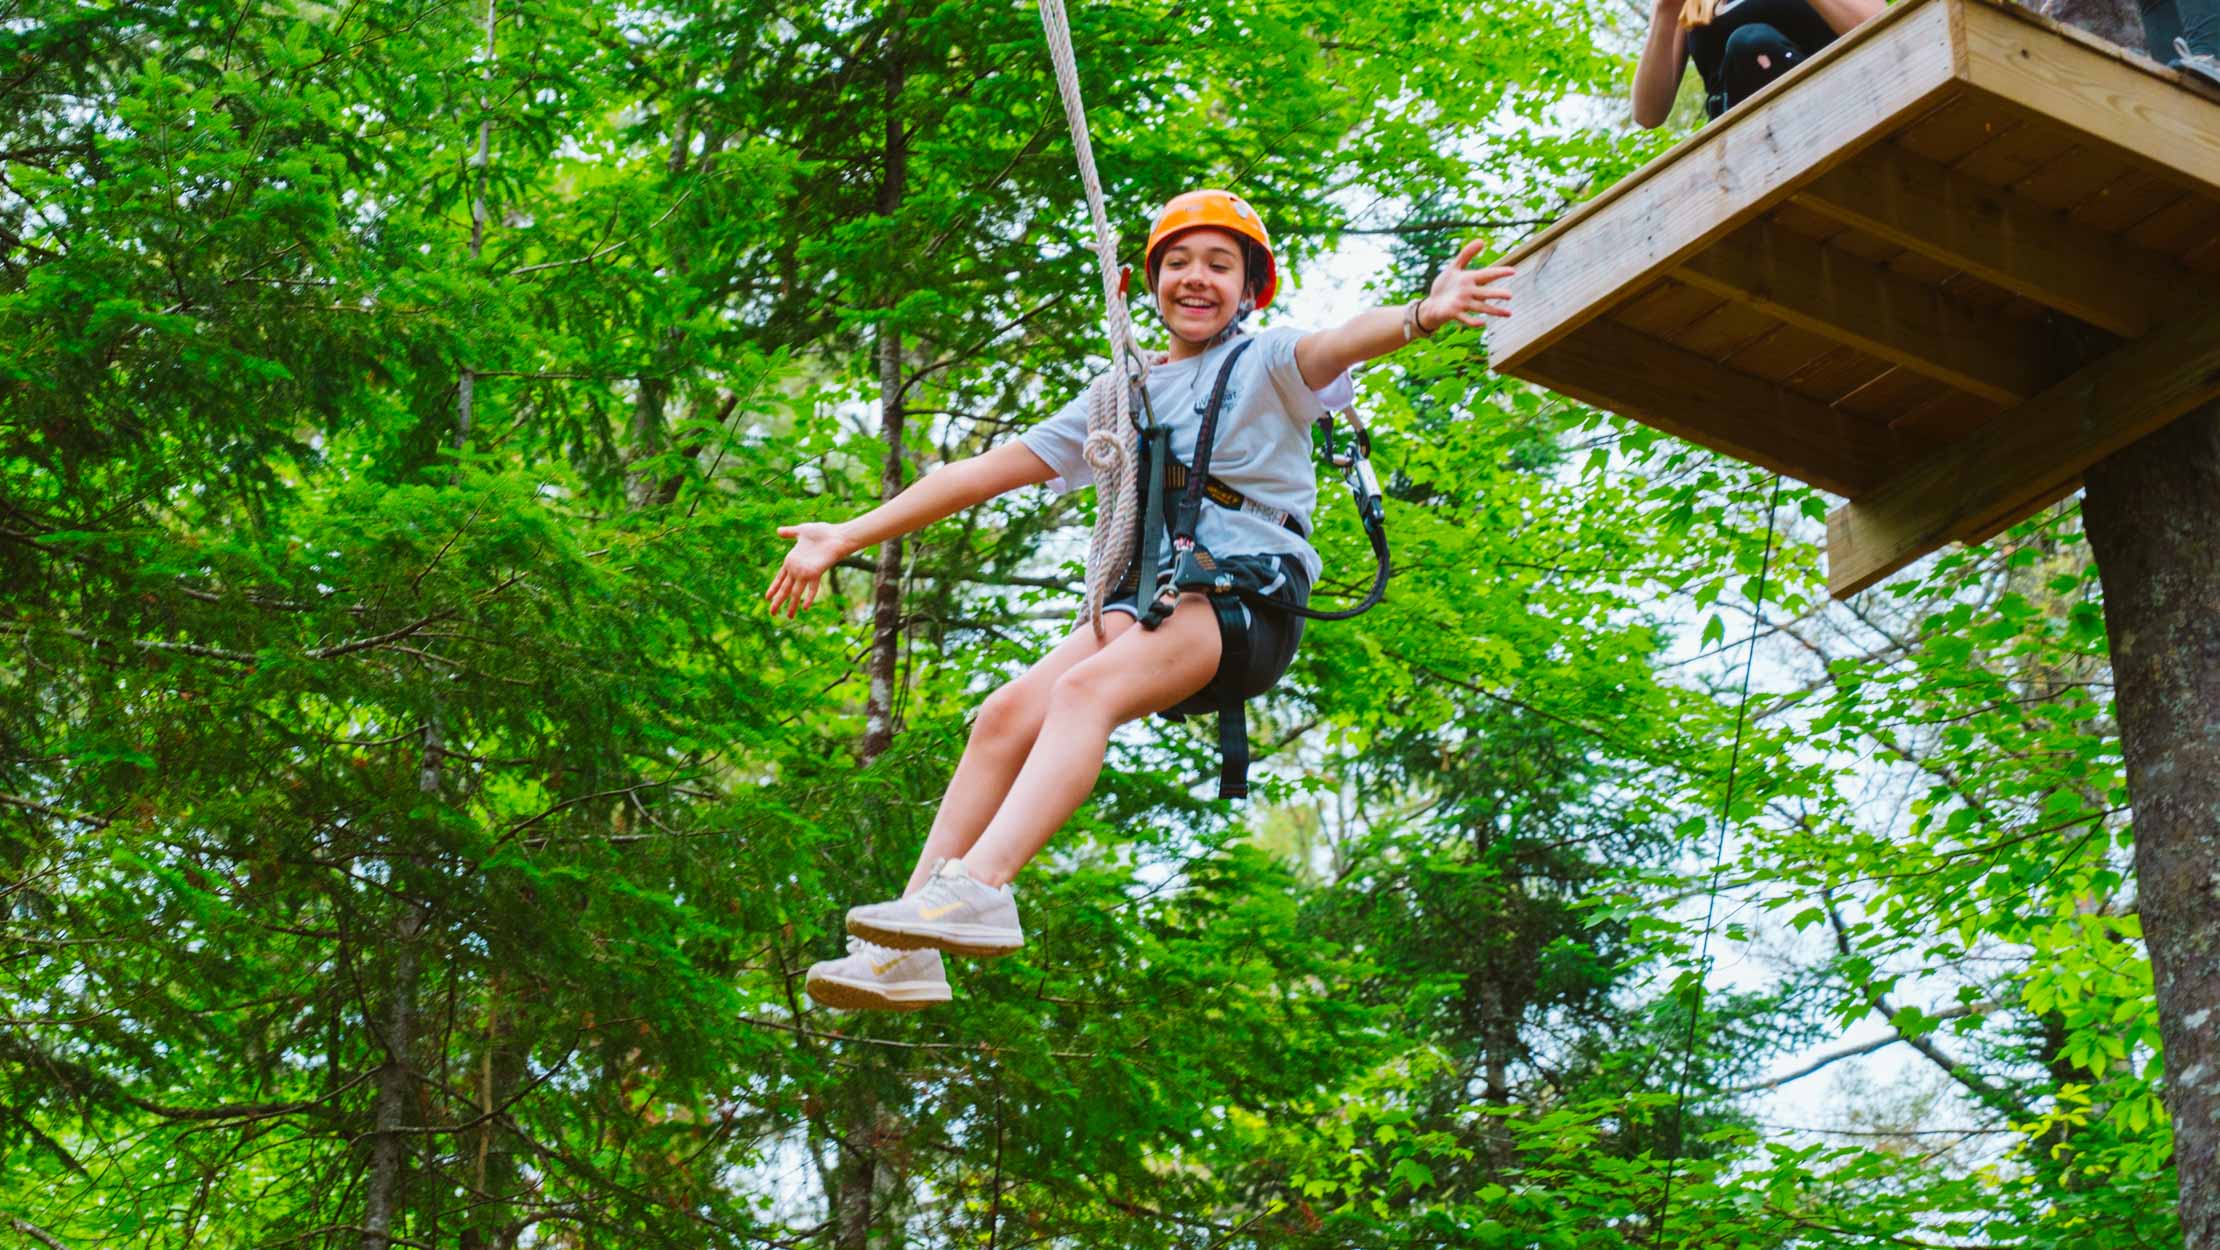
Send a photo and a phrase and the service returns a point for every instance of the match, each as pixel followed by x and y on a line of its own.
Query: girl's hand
pixel 1464 294
pixel 817 547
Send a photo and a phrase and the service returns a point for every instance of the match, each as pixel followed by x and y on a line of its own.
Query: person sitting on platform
pixel 1738 47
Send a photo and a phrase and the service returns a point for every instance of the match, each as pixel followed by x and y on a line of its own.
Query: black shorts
pixel 1274 633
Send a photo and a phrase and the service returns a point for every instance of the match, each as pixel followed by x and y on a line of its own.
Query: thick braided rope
pixel 1109 452
pixel 1109 449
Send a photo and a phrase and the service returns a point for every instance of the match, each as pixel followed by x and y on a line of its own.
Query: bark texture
pixel 864 1173
pixel 2153 516
pixel 886 579
pixel 886 576
pixel 382 1191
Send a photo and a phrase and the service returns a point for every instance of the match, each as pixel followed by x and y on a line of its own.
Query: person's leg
pixel 967 906
pixel 1143 671
pixel 1755 55
pixel 1001 735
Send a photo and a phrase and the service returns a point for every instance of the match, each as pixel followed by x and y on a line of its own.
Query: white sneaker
pixel 875 978
pixel 2190 61
pixel 952 913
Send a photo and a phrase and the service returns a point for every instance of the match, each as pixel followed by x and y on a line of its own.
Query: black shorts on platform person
pixel 1749 43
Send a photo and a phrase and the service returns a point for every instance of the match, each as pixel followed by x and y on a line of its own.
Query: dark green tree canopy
pixel 412 831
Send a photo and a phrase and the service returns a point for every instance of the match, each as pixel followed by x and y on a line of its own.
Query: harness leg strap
pixel 1156 452
pixel 1233 715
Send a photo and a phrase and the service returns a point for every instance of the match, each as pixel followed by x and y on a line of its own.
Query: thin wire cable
pixel 1110 449
pixel 1718 859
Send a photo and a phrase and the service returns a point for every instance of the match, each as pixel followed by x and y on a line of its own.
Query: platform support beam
pixel 1855 302
pixel 1924 208
pixel 1745 417
pixel 2027 456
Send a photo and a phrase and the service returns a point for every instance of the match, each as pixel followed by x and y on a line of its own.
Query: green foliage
pixel 395 416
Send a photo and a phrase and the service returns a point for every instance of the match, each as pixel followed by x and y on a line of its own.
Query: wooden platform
pixel 1939 269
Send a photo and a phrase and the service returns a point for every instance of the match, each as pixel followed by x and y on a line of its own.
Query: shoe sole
pixel 977 940
pixel 864 996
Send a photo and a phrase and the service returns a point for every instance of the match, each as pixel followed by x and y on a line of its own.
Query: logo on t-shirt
pixel 1231 402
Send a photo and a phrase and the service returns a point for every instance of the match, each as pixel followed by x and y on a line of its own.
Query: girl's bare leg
pixel 1001 736
pixel 1139 672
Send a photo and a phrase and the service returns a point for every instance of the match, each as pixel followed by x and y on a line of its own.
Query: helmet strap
pixel 1232 329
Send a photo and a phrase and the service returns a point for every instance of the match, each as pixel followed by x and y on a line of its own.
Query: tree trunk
pixel 2153 516
pixel 857 1177
pixel 501 1067
pixel 466 385
pixel 1497 1037
pixel 2150 513
pixel 383 1194
pixel 860 1174
pixel 640 485
pixel 886 578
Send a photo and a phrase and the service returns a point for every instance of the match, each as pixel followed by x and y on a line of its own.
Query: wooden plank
pixel 2015 155
pixel 2080 81
pixel 1839 373
pixel 1781 355
pixel 1993 235
pixel 1666 310
pixel 1890 394
pixel 1849 95
pixel 1613 367
pixel 2181 225
pixel 1723 331
pixel 2073 179
pixel 1964 124
pixel 2124 203
pixel 2026 456
pixel 1845 299
pixel 1821 229
pixel 1945 417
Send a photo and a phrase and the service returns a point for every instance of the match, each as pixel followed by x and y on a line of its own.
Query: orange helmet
pixel 1226 211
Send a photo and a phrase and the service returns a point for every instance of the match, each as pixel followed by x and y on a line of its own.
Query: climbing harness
pixel 1193 567
pixel 1718 858
pixel 1236 585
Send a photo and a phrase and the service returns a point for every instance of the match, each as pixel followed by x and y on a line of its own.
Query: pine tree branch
pixel 33 1231
pixel 96 822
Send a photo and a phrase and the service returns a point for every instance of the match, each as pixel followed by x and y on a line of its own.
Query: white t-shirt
pixel 1262 449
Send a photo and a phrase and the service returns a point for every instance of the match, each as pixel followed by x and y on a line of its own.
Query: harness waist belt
pixel 1175 478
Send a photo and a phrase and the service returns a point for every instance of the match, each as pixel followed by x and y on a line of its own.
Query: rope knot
pixel 1109 453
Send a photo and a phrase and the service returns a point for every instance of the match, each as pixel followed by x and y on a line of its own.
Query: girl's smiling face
pixel 1200 282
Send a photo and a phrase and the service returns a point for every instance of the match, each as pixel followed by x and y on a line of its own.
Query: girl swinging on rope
pixel 1038 743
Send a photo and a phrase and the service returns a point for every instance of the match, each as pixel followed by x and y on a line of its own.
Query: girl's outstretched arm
pixel 1459 294
pixel 819 545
